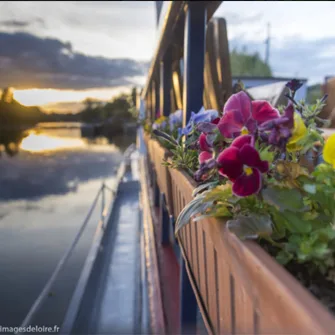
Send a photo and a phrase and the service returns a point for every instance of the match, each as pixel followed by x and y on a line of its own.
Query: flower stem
pixel 274 243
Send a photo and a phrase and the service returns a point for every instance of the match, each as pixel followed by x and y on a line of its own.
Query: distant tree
pixel 314 92
pixel 7 95
pixel 244 64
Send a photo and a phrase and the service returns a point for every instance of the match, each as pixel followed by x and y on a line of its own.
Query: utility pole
pixel 267 43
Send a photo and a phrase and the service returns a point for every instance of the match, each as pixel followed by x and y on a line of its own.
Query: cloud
pixel 21 23
pixel 14 23
pixel 234 18
pixel 28 61
pixel 112 29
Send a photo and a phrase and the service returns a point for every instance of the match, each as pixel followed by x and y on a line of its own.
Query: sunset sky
pixel 56 54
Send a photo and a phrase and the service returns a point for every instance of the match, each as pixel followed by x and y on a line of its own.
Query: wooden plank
pixel 224 298
pixel 198 295
pixel 212 291
pixel 244 308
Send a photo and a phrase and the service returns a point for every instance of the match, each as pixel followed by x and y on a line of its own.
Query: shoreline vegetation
pixel 15 116
pixel 108 119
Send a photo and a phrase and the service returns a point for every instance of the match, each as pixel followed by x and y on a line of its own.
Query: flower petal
pixel 241 140
pixel 262 111
pixel 299 129
pixel 230 125
pixel 294 84
pixel 206 127
pixel 251 125
pixel 240 103
pixel 205 115
pixel 249 156
pixel 247 185
pixel 289 114
pixel 203 143
pixel 204 156
pixel 329 150
pixel 229 163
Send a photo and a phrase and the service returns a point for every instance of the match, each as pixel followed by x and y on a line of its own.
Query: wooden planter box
pixel 239 287
pixel 146 138
pixel 158 155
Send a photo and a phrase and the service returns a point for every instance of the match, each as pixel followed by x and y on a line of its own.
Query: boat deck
pixel 113 302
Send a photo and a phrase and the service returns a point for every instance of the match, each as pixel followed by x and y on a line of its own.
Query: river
pixel 46 189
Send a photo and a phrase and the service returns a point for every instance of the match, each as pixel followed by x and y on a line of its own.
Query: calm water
pixel 46 190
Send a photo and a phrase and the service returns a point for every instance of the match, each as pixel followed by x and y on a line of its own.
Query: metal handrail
pixel 44 293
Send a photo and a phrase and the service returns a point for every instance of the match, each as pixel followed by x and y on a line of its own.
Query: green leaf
pixel 250 226
pixel 283 198
pixel 196 206
pixel 294 222
pixel 283 257
pixel 310 216
pixel 221 210
pixel 266 154
pixel 219 193
pixel 203 187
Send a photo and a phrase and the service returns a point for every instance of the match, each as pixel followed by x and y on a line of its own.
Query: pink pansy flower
pixel 204 144
pixel 241 163
pixel 241 116
pixel 206 150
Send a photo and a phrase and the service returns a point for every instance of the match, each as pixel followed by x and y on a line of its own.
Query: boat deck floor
pixel 112 303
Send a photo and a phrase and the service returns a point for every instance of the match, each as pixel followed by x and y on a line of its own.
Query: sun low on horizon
pixel 53 99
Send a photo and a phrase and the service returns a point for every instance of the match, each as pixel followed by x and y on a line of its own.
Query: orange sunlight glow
pixel 39 97
pixel 40 142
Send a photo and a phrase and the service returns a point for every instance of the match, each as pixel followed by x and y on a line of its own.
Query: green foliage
pixel 313 93
pixel 283 198
pixel 13 113
pixel 183 159
pixel 244 64
pixel 317 248
pixel 117 111
pixel 251 225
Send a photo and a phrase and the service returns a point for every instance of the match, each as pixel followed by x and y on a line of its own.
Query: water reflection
pixel 39 142
pixel 54 161
pixel 10 140
pixel 46 188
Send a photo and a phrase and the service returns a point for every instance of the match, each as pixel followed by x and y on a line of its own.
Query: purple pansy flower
pixel 242 116
pixel 175 119
pixel 294 84
pixel 278 131
pixel 202 116
pixel 241 163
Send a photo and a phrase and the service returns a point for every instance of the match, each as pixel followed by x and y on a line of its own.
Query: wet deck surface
pixel 113 299
pixel 118 310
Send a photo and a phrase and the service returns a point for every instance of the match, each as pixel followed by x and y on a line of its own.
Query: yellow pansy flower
pixel 161 119
pixel 299 131
pixel 329 150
